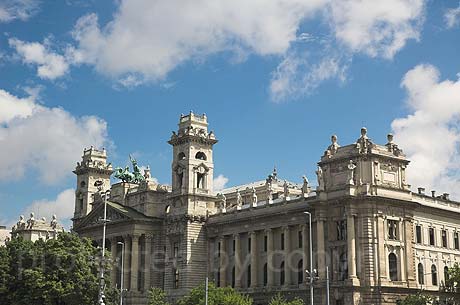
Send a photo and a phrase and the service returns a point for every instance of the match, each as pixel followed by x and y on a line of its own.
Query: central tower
pixel 190 202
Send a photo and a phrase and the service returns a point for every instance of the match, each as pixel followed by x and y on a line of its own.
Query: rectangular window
pixel 300 238
pixel 265 243
pixel 444 238
pixel 392 229
pixel 176 250
pixel 282 241
pixel 249 244
pixel 456 243
pixel 234 246
pixel 418 234
pixel 218 249
pixel 431 234
pixel 176 278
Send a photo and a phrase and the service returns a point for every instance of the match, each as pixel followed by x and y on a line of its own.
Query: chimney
pixel 421 191
pixel 445 196
pixel 433 194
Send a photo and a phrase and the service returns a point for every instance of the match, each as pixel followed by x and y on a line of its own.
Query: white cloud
pixel 376 28
pixel 296 76
pixel 219 183
pixel 452 17
pixel 146 40
pixel 17 9
pixel 50 65
pixel 430 135
pixel 46 140
pixel 154 37
pixel 62 206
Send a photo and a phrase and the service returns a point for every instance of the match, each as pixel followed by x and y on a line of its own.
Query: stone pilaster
pixel 238 260
pixel 351 246
pixel 126 265
pixel 270 258
pixel 321 253
pixel 287 251
pixel 134 261
pixel 148 262
pixel 381 249
pixel 223 261
pixel 305 249
pixel 254 260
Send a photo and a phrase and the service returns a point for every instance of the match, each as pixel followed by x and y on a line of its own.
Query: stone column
pixel 305 250
pixel 335 264
pixel 321 253
pixel 134 261
pixel 287 252
pixel 223 262
pixel 270 258
pixel 238 260
pixel 126 266
pixel 351 246
pixel 113 251
pixel 254 261
pixel 410 259
pixel 148 262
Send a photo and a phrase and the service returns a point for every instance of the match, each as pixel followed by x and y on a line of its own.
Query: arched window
pixel 446 274
pixel 181 156
pixel 434 276
pixel 233 277
pixel 282 275
pixel 265 275
pixel 249 276
pixel 421 276
pixel 300 272
pixel 200 156
pixel 393 266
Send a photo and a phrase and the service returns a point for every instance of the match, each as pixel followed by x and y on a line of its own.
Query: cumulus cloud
pixel 452 17
pixel 219 183
pixel 50 65
pixel 376 28
pixel 62 206
pixel 46 140
pixel 17 9
pixel 147 40
pixel 429 134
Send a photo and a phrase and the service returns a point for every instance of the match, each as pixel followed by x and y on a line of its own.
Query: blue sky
pixel 276 80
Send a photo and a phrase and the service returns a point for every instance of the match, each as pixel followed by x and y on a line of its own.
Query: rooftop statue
pixel 131 177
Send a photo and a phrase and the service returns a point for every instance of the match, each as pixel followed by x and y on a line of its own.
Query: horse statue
pixel 125 175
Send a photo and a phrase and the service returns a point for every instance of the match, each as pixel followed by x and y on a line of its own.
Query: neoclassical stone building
pixel 379 239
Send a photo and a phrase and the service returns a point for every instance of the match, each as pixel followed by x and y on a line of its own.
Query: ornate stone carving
pixel 305 187
pixel 332 149
pixel 31 221
pixel 364 144
pixel 254 197
pixel 351 172
pixel 239 200
pixel 320 178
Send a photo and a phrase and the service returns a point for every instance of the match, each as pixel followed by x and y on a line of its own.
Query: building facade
pixel 379 240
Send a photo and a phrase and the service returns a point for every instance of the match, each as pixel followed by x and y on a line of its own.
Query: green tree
pixel 415 299
pixel 62 271
pixel 279 300
pixel 451 289
pixel 216 296
pixel 157 297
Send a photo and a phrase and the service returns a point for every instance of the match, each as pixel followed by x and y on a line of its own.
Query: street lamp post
pixel 122 270
pixel 101 299
pixel 311 258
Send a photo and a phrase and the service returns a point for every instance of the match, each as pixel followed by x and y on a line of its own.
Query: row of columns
pixel 254 255
pixel 131 261
pixel 320 254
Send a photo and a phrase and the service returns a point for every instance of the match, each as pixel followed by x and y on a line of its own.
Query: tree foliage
pixel 157 297
pixel 279 300
pixel 415 299
pixel 452 295
pixel 62 271
pixel 216 296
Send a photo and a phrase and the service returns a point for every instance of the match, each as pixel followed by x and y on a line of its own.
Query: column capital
pixel 286 228
pixel 135 236
pixel 236 235
pixel 268 230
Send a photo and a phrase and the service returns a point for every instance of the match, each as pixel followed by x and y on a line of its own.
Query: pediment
pixel 97 215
